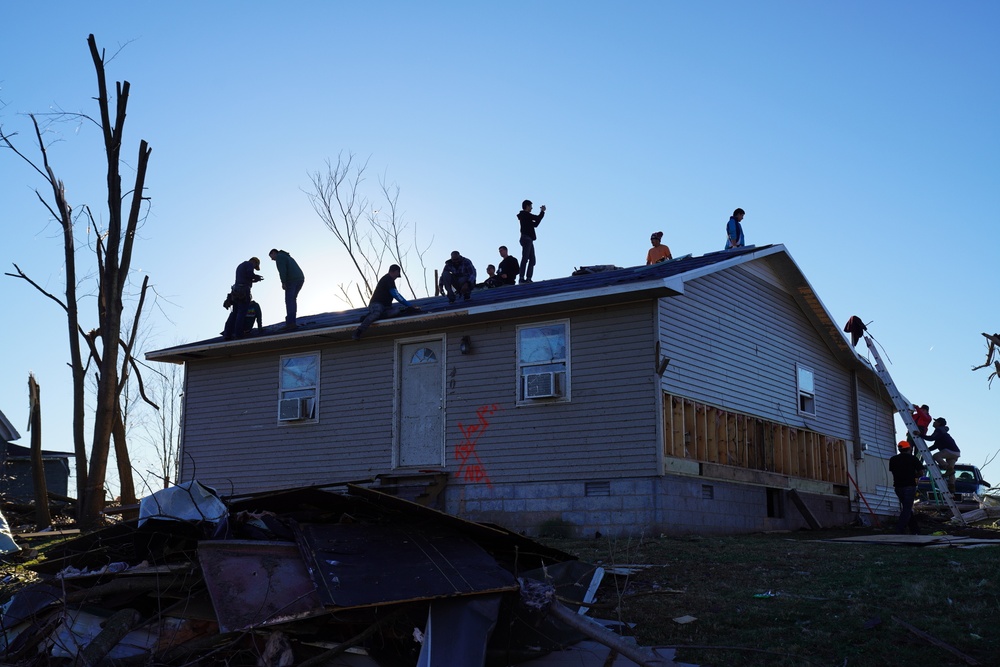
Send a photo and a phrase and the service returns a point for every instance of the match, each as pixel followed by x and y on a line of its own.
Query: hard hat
pixel 903 444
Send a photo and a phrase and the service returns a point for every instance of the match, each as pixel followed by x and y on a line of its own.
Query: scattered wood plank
pixel 968 659
pixel 803 509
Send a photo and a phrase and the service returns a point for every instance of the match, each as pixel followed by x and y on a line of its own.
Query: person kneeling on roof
pixel 458 277
pixel 385 292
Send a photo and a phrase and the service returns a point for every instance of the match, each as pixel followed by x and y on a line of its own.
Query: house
pixel 16 481
pixel 710 394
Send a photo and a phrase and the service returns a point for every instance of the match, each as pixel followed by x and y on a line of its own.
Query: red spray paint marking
pixel 470 467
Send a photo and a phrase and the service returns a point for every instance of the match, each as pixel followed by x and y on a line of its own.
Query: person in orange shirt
pixel 659 252
pixel 922 417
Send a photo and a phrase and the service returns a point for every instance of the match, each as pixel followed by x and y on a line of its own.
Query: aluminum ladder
pixel 904 407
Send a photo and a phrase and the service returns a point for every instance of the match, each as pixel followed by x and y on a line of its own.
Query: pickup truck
pixel 969 485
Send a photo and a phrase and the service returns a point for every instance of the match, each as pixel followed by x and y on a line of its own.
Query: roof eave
pixel 655 288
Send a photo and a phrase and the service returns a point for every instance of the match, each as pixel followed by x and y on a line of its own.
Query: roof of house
pixel 19 452
pixel 547 296
pixel 7 430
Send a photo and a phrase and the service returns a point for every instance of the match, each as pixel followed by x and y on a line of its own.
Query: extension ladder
pixel 904 407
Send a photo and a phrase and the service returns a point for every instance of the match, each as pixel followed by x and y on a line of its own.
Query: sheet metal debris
pixel 254 583
pixel 311 576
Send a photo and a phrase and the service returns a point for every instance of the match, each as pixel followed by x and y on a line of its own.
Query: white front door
pixel 420 439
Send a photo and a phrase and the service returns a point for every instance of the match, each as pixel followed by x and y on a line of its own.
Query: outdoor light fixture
pixel 465 345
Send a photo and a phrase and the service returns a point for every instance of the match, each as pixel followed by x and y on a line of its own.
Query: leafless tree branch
pixel 372 235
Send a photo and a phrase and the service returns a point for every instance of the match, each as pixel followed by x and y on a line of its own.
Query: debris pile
pixel 302 577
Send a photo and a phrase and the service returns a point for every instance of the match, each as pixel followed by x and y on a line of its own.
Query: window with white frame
pixel 298 387
pixel 806 382
pixel 543 362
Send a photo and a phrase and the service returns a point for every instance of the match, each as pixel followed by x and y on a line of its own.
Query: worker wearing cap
pixel 906 470
pixel 240 295
pixel 948 452
pixel 659 252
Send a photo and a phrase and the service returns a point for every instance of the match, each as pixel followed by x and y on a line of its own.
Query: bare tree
pixel 164 432
pixel 108 344
pixel 372 230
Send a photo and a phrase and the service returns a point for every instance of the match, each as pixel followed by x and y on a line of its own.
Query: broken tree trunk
pixel 43 518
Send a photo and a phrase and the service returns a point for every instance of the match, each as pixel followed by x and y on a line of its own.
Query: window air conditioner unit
pixel 291 409
pixel 540 385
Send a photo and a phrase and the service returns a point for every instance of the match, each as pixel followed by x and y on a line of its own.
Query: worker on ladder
pixel 947 451
pixel 922 417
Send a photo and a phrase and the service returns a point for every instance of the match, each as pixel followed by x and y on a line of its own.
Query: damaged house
pixel 16 482
pixel 709 394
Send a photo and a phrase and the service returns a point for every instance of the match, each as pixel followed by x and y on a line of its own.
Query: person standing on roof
pixel 948 452
pixel 906 470
pixel 734 230
pixel 659 252
pixel 240 296
pixel 378 306
pixel 528 223
pixel 292 280
pixel 509 267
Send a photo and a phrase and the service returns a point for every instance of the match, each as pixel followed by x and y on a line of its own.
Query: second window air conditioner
pixel 291 409
pixel 540 385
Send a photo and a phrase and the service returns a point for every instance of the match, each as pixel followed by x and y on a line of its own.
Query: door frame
pixel 397 379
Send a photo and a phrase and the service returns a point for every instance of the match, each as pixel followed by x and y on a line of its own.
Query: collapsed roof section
pixel 310 573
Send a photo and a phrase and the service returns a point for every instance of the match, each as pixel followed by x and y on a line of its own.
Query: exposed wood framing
pixel 704 433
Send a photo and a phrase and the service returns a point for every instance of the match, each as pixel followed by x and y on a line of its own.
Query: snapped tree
pixel 110 348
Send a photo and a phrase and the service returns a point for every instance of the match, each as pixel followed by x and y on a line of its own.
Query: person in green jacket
pixel 292 280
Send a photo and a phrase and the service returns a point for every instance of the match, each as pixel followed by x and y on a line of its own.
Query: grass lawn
pixel 790 599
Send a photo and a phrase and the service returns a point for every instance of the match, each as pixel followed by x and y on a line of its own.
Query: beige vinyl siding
pixel 878 434
pixel 609 429
pixel 233 438
pixel 734 340
pixel 878 426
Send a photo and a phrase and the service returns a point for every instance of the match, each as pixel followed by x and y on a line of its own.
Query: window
pixel 424 355
pixel 543 362
pixel 298 387
pixel 807 390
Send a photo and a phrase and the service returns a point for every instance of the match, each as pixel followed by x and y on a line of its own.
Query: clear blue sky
pixel 862 135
